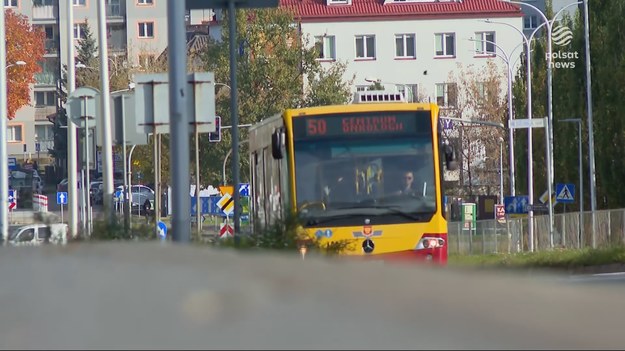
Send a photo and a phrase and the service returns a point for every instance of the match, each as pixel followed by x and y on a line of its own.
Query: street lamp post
pixel 591 133
pixel 530 143
pixel 581 177
pixel 506 59
pixel 549 24
pixel 501 170
pixel 16 63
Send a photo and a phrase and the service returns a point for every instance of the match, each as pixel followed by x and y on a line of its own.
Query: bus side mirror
pixel 451 161
pixel 277 141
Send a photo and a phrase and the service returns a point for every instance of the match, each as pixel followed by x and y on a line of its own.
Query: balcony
pixel 46 78
pixel 115 13
pixel 117 49
pixel 44 13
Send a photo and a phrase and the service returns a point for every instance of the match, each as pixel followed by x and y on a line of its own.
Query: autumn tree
pixel 277 69
pixel 477 94
pixel 27 44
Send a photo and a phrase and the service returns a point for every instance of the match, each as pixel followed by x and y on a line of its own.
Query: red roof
pixel 317 10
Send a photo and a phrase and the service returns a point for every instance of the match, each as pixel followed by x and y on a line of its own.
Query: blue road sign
pixel 447 124
pixel 516 204
pixel 118 195
pixel 37 147
pixel 162 230
pixel 11 196
pixel 61 198
pixel 244 189
pixel 565 193
pixel 12 163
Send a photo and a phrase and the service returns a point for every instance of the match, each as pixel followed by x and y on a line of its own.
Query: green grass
pixel 559 259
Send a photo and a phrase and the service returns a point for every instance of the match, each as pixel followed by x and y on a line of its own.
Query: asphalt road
pixel 148 295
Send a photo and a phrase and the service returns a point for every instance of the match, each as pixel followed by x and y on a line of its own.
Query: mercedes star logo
pixel 368 246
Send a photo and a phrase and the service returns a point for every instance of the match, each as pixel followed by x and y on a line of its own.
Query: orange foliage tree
pixel 27 44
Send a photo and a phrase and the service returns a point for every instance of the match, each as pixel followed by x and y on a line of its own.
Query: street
pixel 152 295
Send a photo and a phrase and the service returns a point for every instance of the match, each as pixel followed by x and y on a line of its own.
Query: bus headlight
pixel 430 243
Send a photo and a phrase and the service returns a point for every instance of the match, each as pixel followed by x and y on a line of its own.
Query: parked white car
pixel 38 234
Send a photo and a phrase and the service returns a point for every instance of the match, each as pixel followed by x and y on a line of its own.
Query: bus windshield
pixel 391 176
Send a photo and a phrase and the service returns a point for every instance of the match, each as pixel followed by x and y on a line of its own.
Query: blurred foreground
pixel 147 295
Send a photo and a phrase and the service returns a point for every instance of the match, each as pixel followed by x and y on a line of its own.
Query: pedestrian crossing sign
pixel 565 193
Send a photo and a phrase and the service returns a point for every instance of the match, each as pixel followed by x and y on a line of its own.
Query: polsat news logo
pixel 562 35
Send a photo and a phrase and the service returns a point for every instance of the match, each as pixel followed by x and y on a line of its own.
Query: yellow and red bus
pixel 345 171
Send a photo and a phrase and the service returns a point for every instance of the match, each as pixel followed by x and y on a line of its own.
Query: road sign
pixel 12 200
pixel 12 163
pixel 37 147
pixel 118 196
pixel 565 193
pixel 61 198
pixel 226 189
pixel 226 204
pixel 527 123
pixel 447 124
pixel 225 230
pixel 469 216
pixel 538 207
pixel 162 230
pixel 516 204
pixel 500 213
pixel 193 219
pixel 244 189
pixel 215 137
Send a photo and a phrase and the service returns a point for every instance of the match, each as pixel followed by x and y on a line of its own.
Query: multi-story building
pixel 136 33
pixel 408 45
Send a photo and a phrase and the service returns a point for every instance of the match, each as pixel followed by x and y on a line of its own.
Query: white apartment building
pixel 409 45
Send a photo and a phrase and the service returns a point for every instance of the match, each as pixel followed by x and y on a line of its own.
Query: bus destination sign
pixel 360 124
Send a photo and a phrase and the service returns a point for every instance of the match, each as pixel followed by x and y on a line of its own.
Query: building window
pixel 405 46
pixel 446 94
pixel 45 98
pixel 530 22
pixel 485 43
pixel 79 30
pixel 326 47
pixel 146 29
pixel 363 87
pixel 14 134
pixel 80 2
pixel 445 44
pixel 145 2
pixel 44 132
pixel 365 46
pixel 10 3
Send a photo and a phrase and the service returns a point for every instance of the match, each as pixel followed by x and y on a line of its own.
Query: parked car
pixel 98 193
pixel 38 234
pixel 138 195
